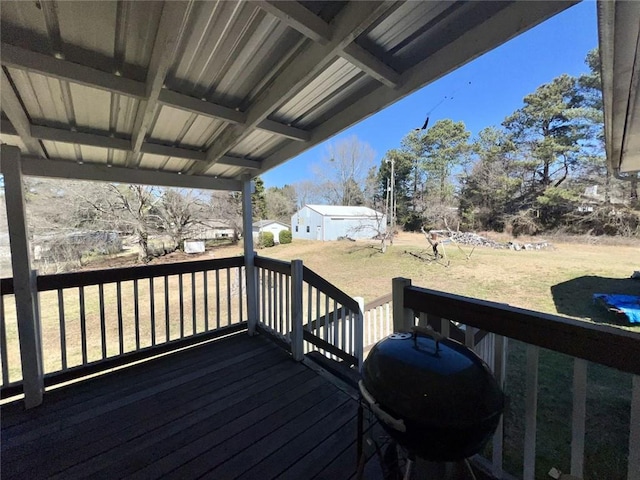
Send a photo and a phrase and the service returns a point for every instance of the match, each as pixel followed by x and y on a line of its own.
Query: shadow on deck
pixel 238 407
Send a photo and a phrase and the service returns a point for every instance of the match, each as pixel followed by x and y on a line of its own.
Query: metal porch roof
pixel 619 32
pixel 221 89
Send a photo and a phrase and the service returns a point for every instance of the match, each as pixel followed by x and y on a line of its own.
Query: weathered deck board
pixel 239 407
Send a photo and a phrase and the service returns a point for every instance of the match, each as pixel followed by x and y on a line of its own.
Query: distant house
pixel 211 230
pixel 272 226
pixel 330 222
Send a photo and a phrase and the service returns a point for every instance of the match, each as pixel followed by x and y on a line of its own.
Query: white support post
pixel 24 279
pixel 358 332
pixel 633 469
pixel 249 255
pixel 402 317
pixel 297 340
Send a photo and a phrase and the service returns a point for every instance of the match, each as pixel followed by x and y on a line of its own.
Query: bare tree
pixel 342 173
pixel 178 211
pixel 307 193
pixel 227 206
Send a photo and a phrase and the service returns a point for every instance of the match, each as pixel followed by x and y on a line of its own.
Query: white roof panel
pixel 344 211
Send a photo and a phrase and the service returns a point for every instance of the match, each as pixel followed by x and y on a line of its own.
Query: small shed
pixel 331 222
pixel 272 226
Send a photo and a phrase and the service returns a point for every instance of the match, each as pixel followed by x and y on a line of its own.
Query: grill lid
pixel 434 381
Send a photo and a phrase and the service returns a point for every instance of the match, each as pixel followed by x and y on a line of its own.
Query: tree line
pixel 543 169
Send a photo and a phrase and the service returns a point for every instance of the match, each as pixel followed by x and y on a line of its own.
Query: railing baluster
pixel 152 310
pixel 309 306
pixel 388 321
pixel 335 325
pixel 205 297
pixel 136 312
pixel 530 414
pixel 103 326
pixel 240 295
pixel 181 299
pixel 469 336
pixel 194 322
pixel 269 304
pixel 167 313
pixel 633 464
pixel 578 416
pixel 317 315
pixel 120 322
pixel 327 324
pixel 499 362
pixel 287 294
pixel 217 298
pixel 373 316
pixel 3 344
pixel 63 331
pixel 229 320
pixel 83 326
pixel 343 313
pixel 280 303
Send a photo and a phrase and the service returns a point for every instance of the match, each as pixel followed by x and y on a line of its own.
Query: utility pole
pixel 393 197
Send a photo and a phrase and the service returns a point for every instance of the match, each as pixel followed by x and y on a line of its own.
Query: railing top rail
pixel 111 275
pixel 378 302
pixel 602 344
pixel 279 266
pixel 315 280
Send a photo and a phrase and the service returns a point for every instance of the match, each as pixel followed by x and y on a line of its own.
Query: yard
pixel 559 280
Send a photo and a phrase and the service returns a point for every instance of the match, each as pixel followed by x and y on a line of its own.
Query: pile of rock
pixel 470 238
pixel 473 239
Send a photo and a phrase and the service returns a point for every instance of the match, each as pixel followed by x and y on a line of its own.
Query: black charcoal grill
pixel 433 395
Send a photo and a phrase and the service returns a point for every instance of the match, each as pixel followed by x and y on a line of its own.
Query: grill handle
pixel 380 413
pixel 428 332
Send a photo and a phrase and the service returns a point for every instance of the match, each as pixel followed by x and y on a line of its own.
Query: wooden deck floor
pixel 235 408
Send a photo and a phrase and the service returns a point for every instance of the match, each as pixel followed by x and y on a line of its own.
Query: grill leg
pixel 360 452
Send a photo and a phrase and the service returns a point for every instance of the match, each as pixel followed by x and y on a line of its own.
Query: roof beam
pixel 88 139
pixel 513 19
pixel 371 65
pixel 347 26
pixel 24 59
pixel 171 25
pixel 57 168
pixel 17 57
pixel 296 16
pixel 104 140
pixel 200 107
pixel 299 18
pixel 12 107
pixel 229 115
pixel 284 130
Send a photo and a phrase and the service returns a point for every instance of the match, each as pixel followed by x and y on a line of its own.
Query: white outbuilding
pixel 272 226
pixel 331 222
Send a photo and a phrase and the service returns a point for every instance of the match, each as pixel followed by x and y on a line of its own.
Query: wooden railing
pixel 333 320
pixel 291 295
pixel 378 324
pixel 589 345
pixel 95 320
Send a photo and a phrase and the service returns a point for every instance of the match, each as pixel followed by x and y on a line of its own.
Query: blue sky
pixel 499 80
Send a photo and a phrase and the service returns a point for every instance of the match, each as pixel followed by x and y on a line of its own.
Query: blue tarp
pixel 627 304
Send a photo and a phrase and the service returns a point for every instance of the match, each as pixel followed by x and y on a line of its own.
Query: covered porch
pixel 207 95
